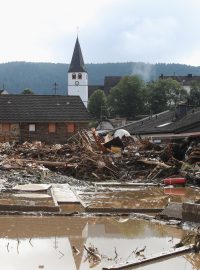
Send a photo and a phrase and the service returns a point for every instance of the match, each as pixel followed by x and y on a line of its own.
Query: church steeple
pixel 77 62
pixel 77 75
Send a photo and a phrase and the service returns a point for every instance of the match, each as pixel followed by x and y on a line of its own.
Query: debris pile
pixel 88 156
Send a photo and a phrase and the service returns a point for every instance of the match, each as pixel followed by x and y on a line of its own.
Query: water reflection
pixel 46 243
pixel 32 254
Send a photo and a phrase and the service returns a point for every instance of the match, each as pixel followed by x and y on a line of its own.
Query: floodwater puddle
pixel 46 243
pixel 140 198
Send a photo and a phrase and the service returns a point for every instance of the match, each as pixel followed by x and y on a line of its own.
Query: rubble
pixel 87 156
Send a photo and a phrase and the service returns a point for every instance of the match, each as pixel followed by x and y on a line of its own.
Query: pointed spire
pixel 77 63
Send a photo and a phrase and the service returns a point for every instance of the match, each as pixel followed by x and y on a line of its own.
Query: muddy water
pixel 140 198
pixel 45 243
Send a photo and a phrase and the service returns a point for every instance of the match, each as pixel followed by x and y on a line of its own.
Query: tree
pixel 194 96
pixel 97 104
pixel 127 98
pixel 27 91
pixel 164 94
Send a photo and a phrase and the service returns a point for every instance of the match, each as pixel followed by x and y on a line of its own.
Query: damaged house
pixel 48 118
pixel 184 121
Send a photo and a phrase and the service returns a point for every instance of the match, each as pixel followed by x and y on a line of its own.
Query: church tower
pixel 77 75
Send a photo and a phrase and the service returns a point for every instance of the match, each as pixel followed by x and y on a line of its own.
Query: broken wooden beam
pixel 150 259
pixel 48 163
pixel 154 162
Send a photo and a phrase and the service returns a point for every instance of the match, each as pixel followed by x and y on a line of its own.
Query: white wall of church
pixel 78 85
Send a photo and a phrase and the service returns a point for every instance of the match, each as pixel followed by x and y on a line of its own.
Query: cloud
pixel 110 30
pixel 149 31
pixel 150 37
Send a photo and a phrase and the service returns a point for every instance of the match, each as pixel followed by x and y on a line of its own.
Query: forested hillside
pixel 40 77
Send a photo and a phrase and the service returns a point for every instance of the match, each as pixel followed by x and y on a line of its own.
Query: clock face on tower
pixel 76 83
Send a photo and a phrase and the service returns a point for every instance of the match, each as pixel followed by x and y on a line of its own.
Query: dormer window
pixel 79 76
pixel 74 76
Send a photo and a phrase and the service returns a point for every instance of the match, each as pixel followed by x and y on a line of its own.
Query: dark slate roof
pixel 185 80
pixel 77 63
pixel 110 82
pixel 92 88
pixel 42 108
pixel 166 122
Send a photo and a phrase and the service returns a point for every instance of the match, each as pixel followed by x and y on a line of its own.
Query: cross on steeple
pixel 77 30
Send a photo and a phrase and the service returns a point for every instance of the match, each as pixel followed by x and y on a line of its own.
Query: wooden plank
pixel 150 259
pixel 62 193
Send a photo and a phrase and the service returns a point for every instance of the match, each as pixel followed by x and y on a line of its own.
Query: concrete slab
pixel 173 210
pixel 32 187
pixel 63 194
pixel 32 195
pixel 191 212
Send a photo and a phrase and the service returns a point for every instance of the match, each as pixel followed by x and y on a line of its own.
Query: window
pixel 31 127
pixel 6 127
pixel 71 128
pixel 52 127
pixel 74 76
pixel 79 76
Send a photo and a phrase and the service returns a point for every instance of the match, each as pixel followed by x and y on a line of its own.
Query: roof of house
pixel 184 80
pixel 166 122
pixel 42 108
pixel 110 82
pixel 77 63
pixel 93 88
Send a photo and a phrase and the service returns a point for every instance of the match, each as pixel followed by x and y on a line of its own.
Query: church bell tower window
pixel 74 76
pixel 79 76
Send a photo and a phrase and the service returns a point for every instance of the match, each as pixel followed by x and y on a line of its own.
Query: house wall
pixel 21 132
pixel 12 135
pixel 42 132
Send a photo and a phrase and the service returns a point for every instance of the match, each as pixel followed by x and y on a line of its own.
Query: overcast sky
pixel 149 31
